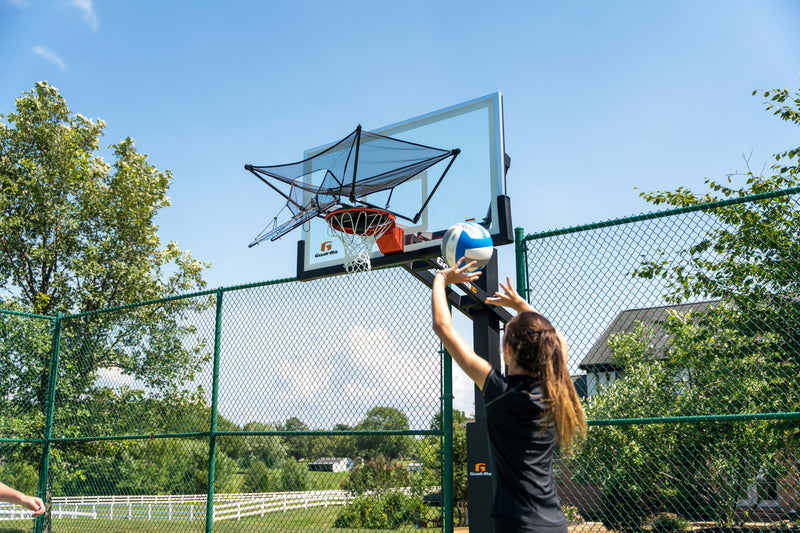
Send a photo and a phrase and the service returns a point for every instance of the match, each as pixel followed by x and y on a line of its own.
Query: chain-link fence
pixel 280 406
pixel 684 334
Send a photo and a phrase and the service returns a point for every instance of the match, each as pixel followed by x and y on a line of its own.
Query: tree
pixel 740 355
pixel 294 475
pixel 76 235
pixel 750 262
pixel 459 418
pixel 433 461
pixel 697 470
pixel 298 446
pixel 268 449
pixel 383 419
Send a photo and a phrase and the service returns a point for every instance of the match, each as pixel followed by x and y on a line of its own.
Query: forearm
pixel 9 495
pixel 441 311
pixel 475 367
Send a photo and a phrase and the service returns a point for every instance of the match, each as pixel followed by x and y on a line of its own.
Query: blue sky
pixel 601 98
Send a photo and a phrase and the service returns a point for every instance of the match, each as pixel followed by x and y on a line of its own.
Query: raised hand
pixel 459 274
pixel 509 298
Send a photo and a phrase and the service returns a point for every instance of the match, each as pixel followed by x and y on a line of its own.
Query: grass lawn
pixel 313 520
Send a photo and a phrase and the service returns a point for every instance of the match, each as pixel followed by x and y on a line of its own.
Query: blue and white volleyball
pixel 469 240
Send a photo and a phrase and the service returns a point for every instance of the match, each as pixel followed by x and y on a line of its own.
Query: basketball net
pixel 359 229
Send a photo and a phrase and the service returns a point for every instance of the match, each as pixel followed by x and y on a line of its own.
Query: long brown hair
pixel 538 349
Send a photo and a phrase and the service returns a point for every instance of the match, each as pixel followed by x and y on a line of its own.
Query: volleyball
pixel 469 240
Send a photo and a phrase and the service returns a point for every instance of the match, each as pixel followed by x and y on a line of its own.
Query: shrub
pixel 294 476
pixel 377 475
pixel 259 478
pixel 572 514
pixel 669 523
pixel 390 511
pixel 623 509
pixel 363 512
pixel 400 508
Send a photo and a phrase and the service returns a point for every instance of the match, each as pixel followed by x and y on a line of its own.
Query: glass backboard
pixel 473 188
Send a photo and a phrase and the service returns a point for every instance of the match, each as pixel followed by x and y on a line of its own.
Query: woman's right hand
pixel 459 274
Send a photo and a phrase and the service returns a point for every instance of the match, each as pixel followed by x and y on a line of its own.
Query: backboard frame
pixel 499 219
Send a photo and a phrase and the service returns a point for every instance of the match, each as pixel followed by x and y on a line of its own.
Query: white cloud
pixel 303 386
pixel 463 392
pixel 113 377
pixel 86 7
pixel 389 371
pixel 51 56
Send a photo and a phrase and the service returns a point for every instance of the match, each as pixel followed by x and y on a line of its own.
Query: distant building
pixel 580 385
pixel 414 467
pixel 599 361
pixel 331 464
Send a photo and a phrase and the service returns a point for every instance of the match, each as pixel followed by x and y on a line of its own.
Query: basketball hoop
pixel 359 228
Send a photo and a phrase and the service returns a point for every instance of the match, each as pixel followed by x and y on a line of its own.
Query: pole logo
pixel 480 470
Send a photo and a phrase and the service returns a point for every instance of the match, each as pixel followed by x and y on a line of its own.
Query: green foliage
pixel 458 418
pixel 158 466
pixel 294 475
pixel 269 449
pixel 669 523
pixel 299 446
pixel 740 355
pixel 430 454
pixel 383 419
pixel 389 511
pixel 572 515
pixel 377 476
pixel 17 473
pixel 260 478
pixel 76 233
pixel 624 508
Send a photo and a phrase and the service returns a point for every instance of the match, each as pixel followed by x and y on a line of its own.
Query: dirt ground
pixel 597 527
pixel 587 527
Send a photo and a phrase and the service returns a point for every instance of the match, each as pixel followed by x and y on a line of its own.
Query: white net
pixel 358 230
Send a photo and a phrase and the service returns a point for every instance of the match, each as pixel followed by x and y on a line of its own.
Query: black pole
pixel 486 343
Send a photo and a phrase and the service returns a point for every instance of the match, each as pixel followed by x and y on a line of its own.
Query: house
pixel 580 385
pixel 331 464
pixel 599 362
pixel 767 499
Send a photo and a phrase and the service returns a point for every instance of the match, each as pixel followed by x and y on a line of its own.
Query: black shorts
pixel 504 524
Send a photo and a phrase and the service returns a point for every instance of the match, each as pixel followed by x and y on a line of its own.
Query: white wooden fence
pixel 181 506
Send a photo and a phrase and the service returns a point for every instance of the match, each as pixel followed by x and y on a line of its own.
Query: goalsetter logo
pixel 479 470
pixel 326 249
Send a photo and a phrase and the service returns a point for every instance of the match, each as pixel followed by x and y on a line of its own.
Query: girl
pixel 530 412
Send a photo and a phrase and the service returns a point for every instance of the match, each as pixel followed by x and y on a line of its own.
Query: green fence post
pixel 447 441
pixel 44 462
pixel 212 447
pixel 522 262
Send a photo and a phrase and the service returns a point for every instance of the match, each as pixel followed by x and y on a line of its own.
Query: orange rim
pixel 361 220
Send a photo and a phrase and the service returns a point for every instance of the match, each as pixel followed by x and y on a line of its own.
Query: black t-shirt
pixel 522 447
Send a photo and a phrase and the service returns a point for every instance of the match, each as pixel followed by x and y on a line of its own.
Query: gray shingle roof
pixel 599 355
